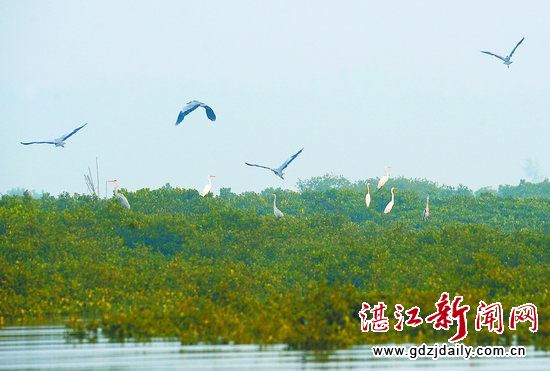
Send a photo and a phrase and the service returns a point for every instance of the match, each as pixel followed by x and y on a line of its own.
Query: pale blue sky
pixel 359 84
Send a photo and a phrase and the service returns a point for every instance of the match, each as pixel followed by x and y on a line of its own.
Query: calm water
pixel 46 347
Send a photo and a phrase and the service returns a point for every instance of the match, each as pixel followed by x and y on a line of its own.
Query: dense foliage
pixel 221 269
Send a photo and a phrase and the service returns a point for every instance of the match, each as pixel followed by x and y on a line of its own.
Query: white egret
pixel 207 188
pixel 58 142
pixel 367 197
pixel 426 214
pixel 123 200
pixel 115 184
pixel 193 105
pixel 279 171
pixel 508 59
pixel 385 178
pixel 389 206
pixel 278 213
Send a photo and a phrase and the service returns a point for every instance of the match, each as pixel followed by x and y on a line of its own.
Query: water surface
pixel 48 347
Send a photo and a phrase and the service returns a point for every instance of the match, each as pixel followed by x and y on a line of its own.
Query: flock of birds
pixel 194 104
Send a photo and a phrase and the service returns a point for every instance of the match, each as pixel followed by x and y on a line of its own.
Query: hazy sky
pixel 359 84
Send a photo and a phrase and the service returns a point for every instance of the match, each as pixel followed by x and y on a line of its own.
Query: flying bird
pixel 508 59
pixel 279 171
pixel 389 206
pixel 207 188
pixel 193 105
pixel 58 142
pixel 426 214
pixel 385 178
pixel 278 213
pixel 367 197
pixel 123 200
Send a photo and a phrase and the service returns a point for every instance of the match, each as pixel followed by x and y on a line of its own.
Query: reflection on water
pixel 46 347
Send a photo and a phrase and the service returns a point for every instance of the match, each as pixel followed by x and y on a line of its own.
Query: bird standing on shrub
pixel 123 200
pixel 367 197
pixel 426 214
pixel 389 206
pixel 207 188
pixel 278 213
pixel 385 178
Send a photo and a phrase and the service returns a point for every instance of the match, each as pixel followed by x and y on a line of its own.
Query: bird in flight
pixel 508 59
pixel 279 171
pixel 58 142
pixel 193 105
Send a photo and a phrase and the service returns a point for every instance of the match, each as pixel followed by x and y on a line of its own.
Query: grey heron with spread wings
pixel 279 171
pixel 58 142
pixel 193 105
pixel 508 59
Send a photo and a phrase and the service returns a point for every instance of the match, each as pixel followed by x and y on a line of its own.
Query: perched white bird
pixel 58 142
pixel 385 178
pixel 367 197
pixel 207 188
pixel 115 184
pixel 193 105
pixel 389 206
pixel 123 200
pixel 278 213
pixel 508 59
pixel 426 214
pixel 279 171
